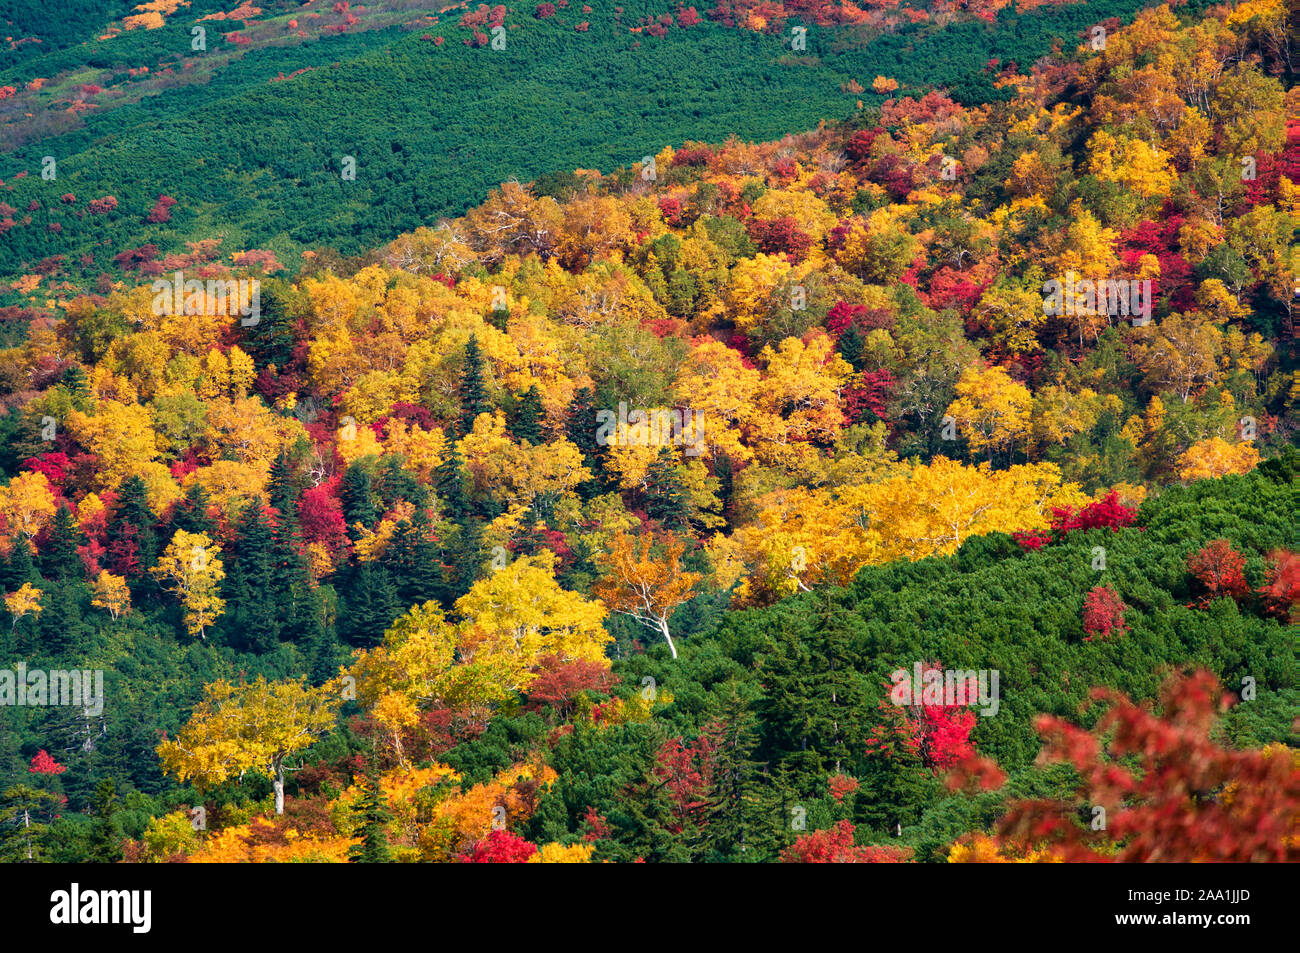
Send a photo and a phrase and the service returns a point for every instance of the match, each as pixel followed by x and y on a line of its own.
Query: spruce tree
pixel 373 813
pixel 106 836
pixel 191 514
pixel 473 393
pixel 282 487
pixel 665 497
pixel 526 422
pixel 357 496
pixel 132 510
pixel 580 428
pixel 739 808
pixel 270 340
pixel 61 561
pixel 452 486
pixel 255 616
pixel 372 605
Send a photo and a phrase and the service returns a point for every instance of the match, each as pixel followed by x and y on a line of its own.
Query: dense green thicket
pixel 433 129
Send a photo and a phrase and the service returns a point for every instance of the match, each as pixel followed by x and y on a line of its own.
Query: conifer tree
pixel 374 816
pixel 665 497
pixel 60 560
pixel 526 423
pixel 473 393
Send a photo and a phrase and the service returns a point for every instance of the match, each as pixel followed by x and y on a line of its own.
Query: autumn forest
pixel 787 431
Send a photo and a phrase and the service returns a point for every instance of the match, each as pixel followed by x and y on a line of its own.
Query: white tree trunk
pixel 663 627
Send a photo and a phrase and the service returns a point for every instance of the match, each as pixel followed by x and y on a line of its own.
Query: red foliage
pixel 1281 590
pixel 321 516
pixel 100 206
pixel 671 209
pixel 161 211
pixel 687 17
pixel 937 734
pixel 597 826
pixel 780 236
pixel 560 683
pixel 834 845
pixel 841 786
pixel 1103 613
pixel 1219 567
pixel 1188 800
pixel 544 11
pixel 859 147
pixel 44 764
pixel 686 771
pixel 499 847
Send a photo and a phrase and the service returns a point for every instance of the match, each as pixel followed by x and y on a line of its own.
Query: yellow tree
pixel 643 587
pixel 111 593
pixel 1216 457
pixel 252 726
pixel 26 504
pixel 26 601
pixel 991 409
pixel 520 613
pixel 192 569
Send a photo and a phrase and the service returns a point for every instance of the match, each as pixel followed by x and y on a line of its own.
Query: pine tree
pixel 191 514
pixel 61 561
pixel 77 385
pixel 253 616
pixel 580 428
pixel 106 836
pixel 357 496
pixel 526 423
pixel 473 393
pixel 132 510
pixel 740 810
pixel 665 497
pixel 452 486
pixel 374 816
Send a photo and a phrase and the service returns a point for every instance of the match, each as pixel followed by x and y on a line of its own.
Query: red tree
pixel 834 845
pixel 499 847
pixel 1218 567
pixel 1281 591
pixel 1188 801
pixel 44 764
pixel 1103 613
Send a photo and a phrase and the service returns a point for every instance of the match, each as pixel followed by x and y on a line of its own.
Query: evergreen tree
pixel 526 423
pixel 373 813
pixel 75 382
pixel 851 346
pixel 271 340
pixel 282 487
pixel 253 616
pixel 356 493
pixel 580 428
pixel 665 497
pixel 396 483
pixel 724 470
pixel 19 568
pixel 132 510
pixel 291 582
pixel 372 605
pixel 106 836
pixel 452 486
pixel 191 514
pixel 740 810
pixel 473 393
pixel 61 561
